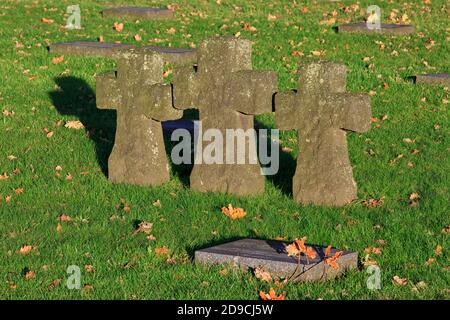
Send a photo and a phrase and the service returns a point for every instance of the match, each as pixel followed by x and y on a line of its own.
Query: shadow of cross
pixel 228 93
pixel 321 110
pixel 142 101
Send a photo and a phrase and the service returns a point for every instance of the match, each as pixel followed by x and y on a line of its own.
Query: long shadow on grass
pixel 282 180
pixel 74 97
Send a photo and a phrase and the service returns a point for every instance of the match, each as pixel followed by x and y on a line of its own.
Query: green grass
pixel 125 267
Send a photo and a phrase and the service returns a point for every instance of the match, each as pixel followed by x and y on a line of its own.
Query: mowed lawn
pixel 49 172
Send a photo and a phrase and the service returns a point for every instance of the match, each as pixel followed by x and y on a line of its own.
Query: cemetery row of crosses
pixel 228 94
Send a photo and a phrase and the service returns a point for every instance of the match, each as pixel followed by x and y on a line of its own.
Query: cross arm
pixel 251 91
pixel 156 103
pixel 353 111
pixel 108 95
pixel 185 88
pixel 286 113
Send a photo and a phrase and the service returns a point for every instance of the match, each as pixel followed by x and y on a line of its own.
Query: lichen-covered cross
pixel 322 110
pixel 228 93
pixel 142 101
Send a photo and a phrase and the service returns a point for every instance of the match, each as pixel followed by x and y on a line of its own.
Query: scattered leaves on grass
pixel 54 284
pixel 157 204
pixel 271 295
pixel 399 281
pixel 161 250
pixel 373 203
pixel 65 218
pixel 46 20
pixel 144 227
pixel 233 213
pixel 262 275
pixel 30 275
pixel 57 60
pixel 438 250
pixel 74 124
pixel 333 261
pixel 89 268
pixel 118 26
pixel 25 249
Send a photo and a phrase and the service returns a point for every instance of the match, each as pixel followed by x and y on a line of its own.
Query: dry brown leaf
pixel 162 250
pixel 399 281
pixel 46 20
pixel 59 228
pixel 263 275
pixel 30 275
pixel 118 26
pixel 74 124
pixel 137 37
pixel 438 250
pixel 89 268
pixel 56 60
pixel 25 249
pixel 233 213
pixel 65 218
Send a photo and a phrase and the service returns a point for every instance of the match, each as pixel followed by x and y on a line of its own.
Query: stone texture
pixel 88 48
pixel 139 13
pixel 438 78
pixel 271 257
pixel 176 55
pixel 321 110
pixel 142 101
pixel 228 93
pixel 361 27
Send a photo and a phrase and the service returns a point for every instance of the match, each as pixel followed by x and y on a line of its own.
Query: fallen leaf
pixel 89 268
pixel 65 218
pixel 271 295
pixel 162 250
pixel 157 204
pixel 144 227
pixel 271 17
pixel 74 124
pixel 45 20
pixel 30 275
pixel 233 213
pixel 118 26
pixel 400 281
pixel 59 228
pixel 332 261
pixel 438 250
pixel 54 284
pixel 430 261
pixel 263 275
pixel 372 203
pixel 25 249
pixel 137 37
pixel 171 30
pixel 57 60
pixel 4 176
pixel 19 190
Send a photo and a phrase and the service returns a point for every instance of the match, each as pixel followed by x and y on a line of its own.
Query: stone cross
pixel 321 110
pixel 142 101
pixel 228 93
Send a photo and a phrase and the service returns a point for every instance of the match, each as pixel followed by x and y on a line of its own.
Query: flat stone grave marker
pixel 361 27
pixel 270 255
pixel 139 13
pixel 176 55
pixel 88 48
pixel 437 78
pixel 172 125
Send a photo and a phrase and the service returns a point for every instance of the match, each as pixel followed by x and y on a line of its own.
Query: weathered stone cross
pixel 228 93
pixel 321 110
pixel 142 101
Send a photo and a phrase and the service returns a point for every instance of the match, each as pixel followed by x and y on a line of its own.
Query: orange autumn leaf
pixel 233 213
pixel 118 26
pixel 328 251
pixel 45 20
pixel 19 190
pixel 25 249
pixel 162 250
pixel 332 262
pixel 292 250
pixel 271 295
pixel 57 60
pixel 310 253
